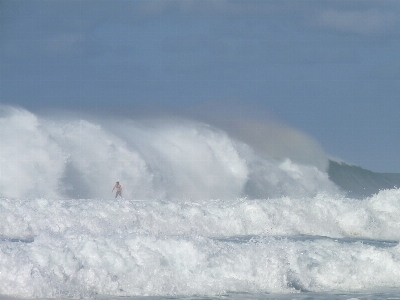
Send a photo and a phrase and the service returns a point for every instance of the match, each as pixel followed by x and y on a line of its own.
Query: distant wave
pixel 361 183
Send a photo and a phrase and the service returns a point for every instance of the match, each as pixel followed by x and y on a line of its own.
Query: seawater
pixel 204 216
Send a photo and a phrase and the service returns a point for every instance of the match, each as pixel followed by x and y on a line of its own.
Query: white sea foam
pixel 60 248
pixel 323 215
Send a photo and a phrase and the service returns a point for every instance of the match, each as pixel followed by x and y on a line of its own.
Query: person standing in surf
pixel 118 187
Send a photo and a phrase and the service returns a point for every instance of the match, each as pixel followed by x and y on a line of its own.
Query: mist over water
pixel 158 158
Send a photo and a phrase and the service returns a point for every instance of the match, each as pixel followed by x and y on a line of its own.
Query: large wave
pixel 67 157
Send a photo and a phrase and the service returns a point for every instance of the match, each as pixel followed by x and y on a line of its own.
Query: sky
pixel 330 69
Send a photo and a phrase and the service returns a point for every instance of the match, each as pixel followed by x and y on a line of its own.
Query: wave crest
pixel 164 159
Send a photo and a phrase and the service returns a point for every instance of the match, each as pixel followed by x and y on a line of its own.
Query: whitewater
pixel 206 213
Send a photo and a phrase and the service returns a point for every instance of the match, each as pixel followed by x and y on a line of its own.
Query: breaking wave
pixel 65 157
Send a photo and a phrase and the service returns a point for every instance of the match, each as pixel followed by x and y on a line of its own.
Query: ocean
pixel 204 215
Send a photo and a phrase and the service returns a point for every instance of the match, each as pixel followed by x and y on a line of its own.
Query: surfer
pixel 118 187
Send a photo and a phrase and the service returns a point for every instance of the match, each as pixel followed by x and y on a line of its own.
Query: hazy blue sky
pixel 328 68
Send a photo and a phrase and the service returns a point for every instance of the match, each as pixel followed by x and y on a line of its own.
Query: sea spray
pixel 163 159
